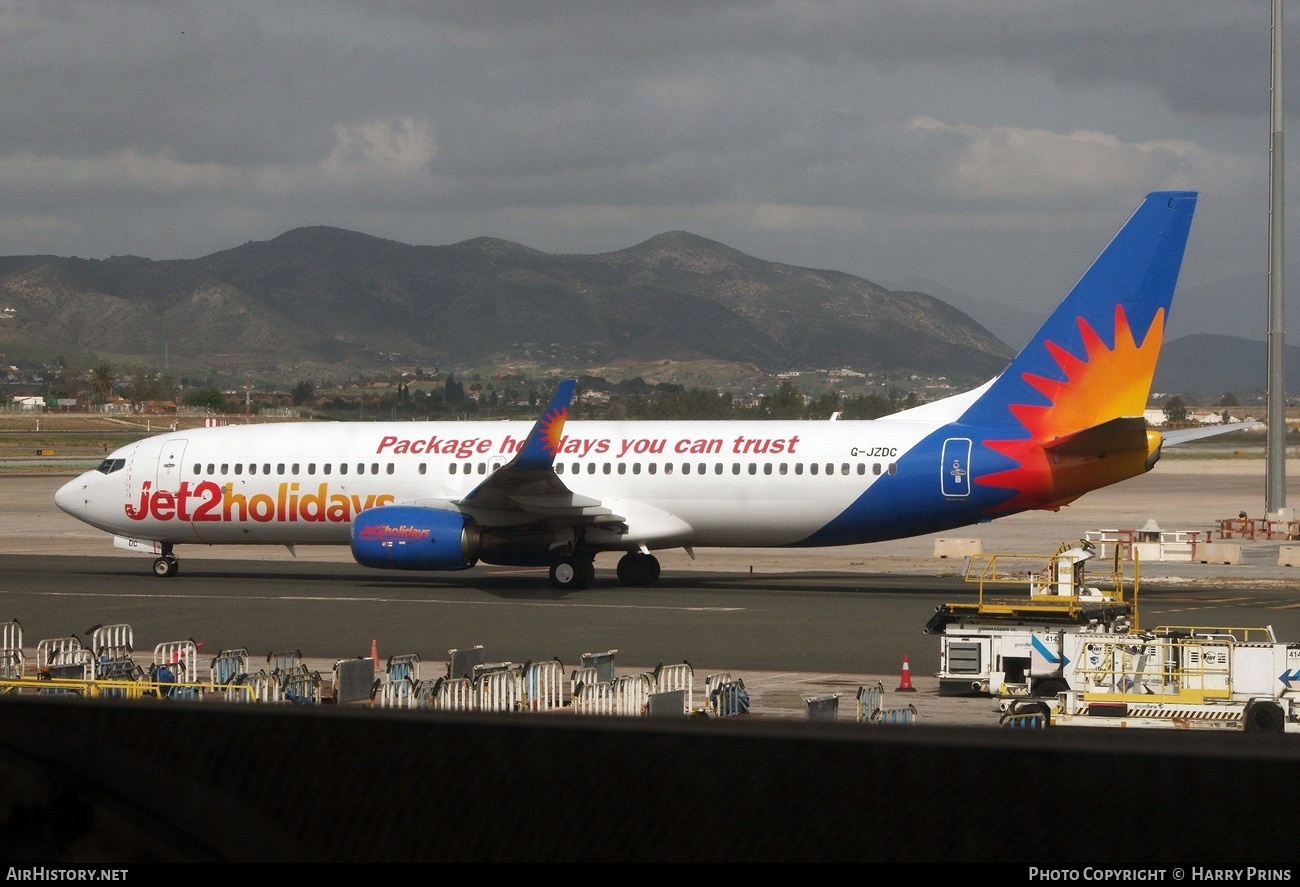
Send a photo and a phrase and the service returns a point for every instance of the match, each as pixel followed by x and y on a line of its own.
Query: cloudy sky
pixel 992 148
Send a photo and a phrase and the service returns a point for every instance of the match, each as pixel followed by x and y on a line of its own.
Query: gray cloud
pixel 991 147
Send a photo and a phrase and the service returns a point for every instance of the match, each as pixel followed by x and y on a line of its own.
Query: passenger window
pixel 830 468
pixel 424 468
pixel 225 468
pixel 327 468
pixel 361 468
pixel 266 467
pixel 374 467
pixel 311 467
pixel 239 468
pixel 636 467
pixel 862 468
pixel 875 468
pixel 252 468
pixel 717 469
pixel 735 468
pixel 784 469
pixel 343 468
pixel 279 468
pixel 559 468
pixel 753 469
pixel 812 468
pixel 212 469
pixel 668 468
pixel 591 467
pixel 482 468
pixel 451 469
pixel 703 469
pixel 651 468
pixel 390 467
pixel 767 467
pixel 622 468
pixel 607 469
pixel 686 468
pixel 798 468
pixel 893 468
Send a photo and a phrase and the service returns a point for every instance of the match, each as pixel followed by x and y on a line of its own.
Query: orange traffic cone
pixel 905 683
pixel 374 654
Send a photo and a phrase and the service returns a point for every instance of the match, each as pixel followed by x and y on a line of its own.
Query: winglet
pixel 543 441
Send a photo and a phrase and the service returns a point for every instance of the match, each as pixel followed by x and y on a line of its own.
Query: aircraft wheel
pixel 571 571
pixel 638 570
pixel 166 566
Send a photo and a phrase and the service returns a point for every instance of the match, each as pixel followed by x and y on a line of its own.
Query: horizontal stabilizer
pixel 1122 435
pixel 1187 435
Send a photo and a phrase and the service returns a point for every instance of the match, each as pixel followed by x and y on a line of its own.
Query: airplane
pixel 1064 418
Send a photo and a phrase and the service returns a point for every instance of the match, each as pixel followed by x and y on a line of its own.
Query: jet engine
pixel 412 537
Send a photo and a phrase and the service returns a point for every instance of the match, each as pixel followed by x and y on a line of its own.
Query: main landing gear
pixel 166 565
pixel 577 571
pixel 573 571
pixel 638 569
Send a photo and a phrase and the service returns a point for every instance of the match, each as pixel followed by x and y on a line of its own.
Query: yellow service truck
pixel 1175 676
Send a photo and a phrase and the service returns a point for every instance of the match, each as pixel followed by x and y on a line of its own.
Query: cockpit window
pixel 108 466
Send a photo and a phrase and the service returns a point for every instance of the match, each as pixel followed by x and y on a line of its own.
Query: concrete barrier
pixel 1288 556
pixel 1218 553
pixel 957 547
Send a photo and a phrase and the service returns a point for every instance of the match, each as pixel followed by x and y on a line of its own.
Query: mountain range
pixel 321 296
pixel 321 302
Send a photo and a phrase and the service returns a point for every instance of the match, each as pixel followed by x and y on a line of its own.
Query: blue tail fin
pixel 1093 359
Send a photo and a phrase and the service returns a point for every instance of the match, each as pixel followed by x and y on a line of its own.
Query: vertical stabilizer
pixel 1094 358
pixel 1066 415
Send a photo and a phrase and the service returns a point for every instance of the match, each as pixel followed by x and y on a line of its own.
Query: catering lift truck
pixel 1176 676
pixel 1028 646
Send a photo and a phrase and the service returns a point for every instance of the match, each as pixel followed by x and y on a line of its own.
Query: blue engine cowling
pixel 409 537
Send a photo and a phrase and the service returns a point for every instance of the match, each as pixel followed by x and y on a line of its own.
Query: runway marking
pixel 378 600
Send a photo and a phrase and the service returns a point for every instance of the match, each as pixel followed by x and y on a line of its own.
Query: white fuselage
pixel 767 483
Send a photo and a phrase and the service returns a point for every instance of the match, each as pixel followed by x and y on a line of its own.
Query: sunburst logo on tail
pixel 551 430
pixel 1083 392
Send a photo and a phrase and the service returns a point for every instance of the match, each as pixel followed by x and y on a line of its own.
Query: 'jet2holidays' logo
pixel 209 501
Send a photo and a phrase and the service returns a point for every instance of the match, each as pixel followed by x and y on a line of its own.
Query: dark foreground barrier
pixel 106 781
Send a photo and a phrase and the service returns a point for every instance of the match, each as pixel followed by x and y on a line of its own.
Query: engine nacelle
pixel 409 537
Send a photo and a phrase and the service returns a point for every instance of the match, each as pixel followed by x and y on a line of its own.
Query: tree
pixel 303 392
pixel 211 398
pixel 1175 410
pixel 102 382
pixel 1228 400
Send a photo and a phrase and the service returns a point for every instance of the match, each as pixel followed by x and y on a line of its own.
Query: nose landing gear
pixel 167 564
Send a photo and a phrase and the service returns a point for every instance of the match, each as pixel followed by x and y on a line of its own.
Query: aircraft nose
pixel 71 497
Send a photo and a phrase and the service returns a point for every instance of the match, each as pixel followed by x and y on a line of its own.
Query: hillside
pixel 322 298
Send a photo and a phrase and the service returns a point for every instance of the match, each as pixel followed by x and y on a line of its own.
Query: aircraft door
pixel 954 468
pixel 169 466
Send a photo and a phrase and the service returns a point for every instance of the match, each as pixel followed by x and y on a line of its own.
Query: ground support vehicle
pixel 1177 677
pixel 1027 646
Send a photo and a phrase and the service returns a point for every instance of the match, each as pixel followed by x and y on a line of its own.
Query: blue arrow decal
pixel 1048 654
pixel 1288 676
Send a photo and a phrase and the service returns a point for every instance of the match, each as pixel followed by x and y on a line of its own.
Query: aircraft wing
pixel 527 490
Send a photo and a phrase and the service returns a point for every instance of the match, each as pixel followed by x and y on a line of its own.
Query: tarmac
pixel 1192 494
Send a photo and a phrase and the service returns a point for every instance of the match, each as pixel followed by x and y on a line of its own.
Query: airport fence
pixel 108 666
